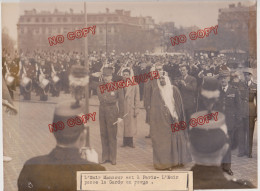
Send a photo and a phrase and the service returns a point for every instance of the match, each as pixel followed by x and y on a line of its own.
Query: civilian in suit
pixel 187 85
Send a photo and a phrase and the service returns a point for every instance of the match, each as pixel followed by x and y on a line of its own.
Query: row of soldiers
pixel 47 72
pixel 42 72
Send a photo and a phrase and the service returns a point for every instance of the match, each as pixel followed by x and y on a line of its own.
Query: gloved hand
pixel 89 154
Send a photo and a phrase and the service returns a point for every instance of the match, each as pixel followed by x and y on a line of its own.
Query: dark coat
pixel 212 177
pixel 56 171
pixel 188 92
pixel 229 103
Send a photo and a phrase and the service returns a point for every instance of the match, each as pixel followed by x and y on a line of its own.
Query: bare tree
pixel 7 42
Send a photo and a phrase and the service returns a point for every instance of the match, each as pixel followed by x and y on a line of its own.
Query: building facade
pixel 239 23
pixel 114 30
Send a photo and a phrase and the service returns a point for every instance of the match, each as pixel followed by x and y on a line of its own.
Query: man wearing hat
pixel 248 112
pixel 109 114
pixel 209 143
pixel 229 103
pixel 58 170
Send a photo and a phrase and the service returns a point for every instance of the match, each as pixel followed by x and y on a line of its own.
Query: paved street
pixel 27 135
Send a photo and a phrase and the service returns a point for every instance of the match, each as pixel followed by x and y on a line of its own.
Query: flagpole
pixel 87 67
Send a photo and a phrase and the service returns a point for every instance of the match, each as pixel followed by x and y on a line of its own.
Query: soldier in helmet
pixel 108 115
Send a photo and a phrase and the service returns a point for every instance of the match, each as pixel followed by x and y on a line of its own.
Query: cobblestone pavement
pixel 27 135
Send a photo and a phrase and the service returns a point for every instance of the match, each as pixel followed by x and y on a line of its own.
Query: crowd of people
pixel 187 86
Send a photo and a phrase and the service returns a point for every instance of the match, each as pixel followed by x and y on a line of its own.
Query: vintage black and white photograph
pixel 159 86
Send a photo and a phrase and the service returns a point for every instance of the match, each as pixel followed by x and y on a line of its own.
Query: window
pixel 43 20
pixel 22 30
pixel 28 19
pixel 49 19
pixel 43 30
pixel 37 20
pixel 65 19
pixel 58 19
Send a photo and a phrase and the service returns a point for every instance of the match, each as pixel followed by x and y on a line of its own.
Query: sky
pixel 184 13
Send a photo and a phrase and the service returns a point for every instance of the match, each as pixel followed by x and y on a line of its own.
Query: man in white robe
pixel 169 148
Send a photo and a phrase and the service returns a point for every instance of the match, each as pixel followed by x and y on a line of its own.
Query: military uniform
pixel 65 76
pixel 12 69
pixel 229 104
pixel 248 114
pixel 56 86
pixel 56 171
pixel 108 114
pixel 209 142
pixel 46 71
pixel 29 71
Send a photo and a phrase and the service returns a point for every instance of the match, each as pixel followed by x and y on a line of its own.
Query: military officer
pixel 209 144
pixel 248 113
pixel 229 104
pixel 109 113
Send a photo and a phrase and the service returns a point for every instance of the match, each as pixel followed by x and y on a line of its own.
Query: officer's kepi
pixel 209 137
pixel 71 118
